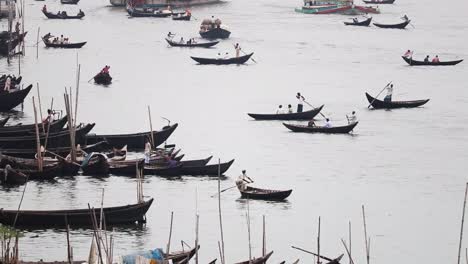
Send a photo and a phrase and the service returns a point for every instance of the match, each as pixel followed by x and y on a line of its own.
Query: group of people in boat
pixel 237 50
pixel 188 42
pixel 56 40
pixel 300 106
pixel 409 54
pixel 62 13
pixel 209 24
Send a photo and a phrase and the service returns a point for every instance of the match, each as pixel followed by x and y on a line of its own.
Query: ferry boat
pixel 163 3
pixel 345 7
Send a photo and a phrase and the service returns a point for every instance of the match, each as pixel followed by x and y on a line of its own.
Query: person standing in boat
pixel 147 151
pixel 300 103
pixel 170 35
pixel 49 117
pixel 44 9
pixel 61 39
pixel 243 180
pixel 238 49
pixel 388 97
pixel 408 54
pixel 105 70
pixel 17 27
pixel 352 118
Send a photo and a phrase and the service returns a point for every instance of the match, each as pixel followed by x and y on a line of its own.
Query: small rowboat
pixel 103 78
pixel 127 214
pixel 263 194
pixel 61 16
pixel 215 33
pixel 64 45
pixel 398 26
pixel 307 115
pixel 181 16
pixel 364 23
pixel 260 260
pixel 55 126
pixel 378 2
pixel 10 100
pixel 238 60
pixel 326 130
pixel 9 176
pixel 125 168
pixel 192 45
pixel 69 2
pixel 412 62
pixel 150 13
pixel 378 104
pixel 181 170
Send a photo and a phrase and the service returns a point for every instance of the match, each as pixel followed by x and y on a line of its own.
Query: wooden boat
pixel 134 141
pixel 4 121
pixel 10 131
pixel 180 170
pixel 95 164
pixel 401 25
pixel 62 16
pixel 69 2
pixel 263 194
pixel 58 139
pixel 307 115
pixel 378 104
pixel 64 45
pixel 181 16
pixel 62 151
pixel 126 168
pixel 136 12
pixel 55 126
pixel 260 260
pixel 128 214
pixel 181 257
pixel 103 78
pixel 9 176
pixel 332 130
pixel 215 33
pixel 364 23
pixel 10 100
pixel 412 62
pixel 192 45
pixel 49 172
pixel 378 2
pixel 196 163
pixel 235 60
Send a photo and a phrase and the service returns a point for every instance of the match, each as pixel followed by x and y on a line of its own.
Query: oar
pixel 224 190
pixel 306 251
pixel 314 108
pixel 375 98
pixel 93 77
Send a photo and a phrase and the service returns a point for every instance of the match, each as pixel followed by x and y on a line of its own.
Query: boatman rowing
pixel 388 97
pixel 242 181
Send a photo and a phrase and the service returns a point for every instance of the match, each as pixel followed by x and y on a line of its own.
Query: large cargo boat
pixel 344 7
pixel 163 3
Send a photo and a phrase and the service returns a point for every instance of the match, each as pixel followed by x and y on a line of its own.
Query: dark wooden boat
pixel 62 151
pixel 179 158
pixel 103 78
pixel 263 194
pixel 4 121
pixel 238 60
pixel 69 2
pixel 215 33
pixel 128 214
pixel 49 172
pixel 61 16
pixel 133 141
pixel 95 165
pixel 181 17
pixel 8 44
pixel 10 176
pixel 151 13
pixel 58 139
pixel 180 170
pixel 378 104
pixel 398 26
pixel 192 45
pixel 181 257
pixel 126 168
pixel 55 126
pixel 64 45
pixel 10 100
pixel 332 130
pixel 260 260
pixel 307 115
pixel 196 163
pixel 412 62
pixel 378 2
pixel 364 23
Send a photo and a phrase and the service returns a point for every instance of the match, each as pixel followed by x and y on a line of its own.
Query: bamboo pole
pixel 318 243
pixel 365 234
pixel 77 92
pixel 168 248
pixel 37 42
pixel 264 238
pixel 248 230
pixel 38 141
pixel 40 107
pixel 151 127
pixel 462 222
pixel 196 238
pixel 220 252
pixel 349 234
pixel 220 215
pixel 347 251
pixel 102 211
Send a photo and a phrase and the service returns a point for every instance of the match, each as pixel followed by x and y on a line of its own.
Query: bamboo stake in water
pixel 264 238
pixel 48 125
pixel 349 233
pixel 151 128
pixel 318 243
pixel 347 251
pixel 37 43
pixel 38 141
pixel 248 229
pixel 168 248
pixel 220 215
pixel 196 238
pixel 40 107
pixel 462 222
pixel 102 211
pixel 77 91
pixel 365 234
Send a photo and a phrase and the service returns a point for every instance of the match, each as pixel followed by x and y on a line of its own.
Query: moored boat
pixel 306 115
pixel 55 126
pixel 401 25
pixel 10 100
pixel 412 62
pixel 185 16
pixel 128 214
pixel 180 170
pixel 364 23
pixel 10 176
pixel 378 2
pixel 260 260
pixel 264 194
pixel 62 151
pixel 379 104
pixel 317 129
pixel 227 61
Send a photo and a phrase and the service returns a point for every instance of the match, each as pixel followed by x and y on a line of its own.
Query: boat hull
pixel 307 115
pixel 412 62
pixel 378 104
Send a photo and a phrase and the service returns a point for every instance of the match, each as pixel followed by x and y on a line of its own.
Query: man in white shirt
pixel 328 123
pixel 242 181
pixel 280 110
pixel 388 97
pixel 290 110
pixel 352 118
pixel 300 103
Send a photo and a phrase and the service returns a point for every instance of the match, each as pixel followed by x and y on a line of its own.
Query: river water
pixel 406 166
